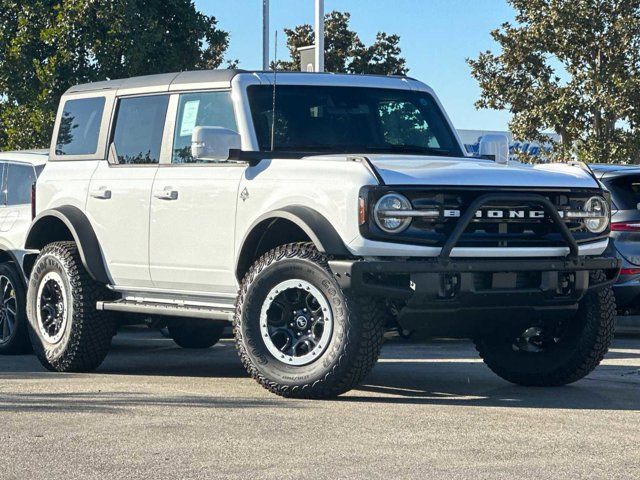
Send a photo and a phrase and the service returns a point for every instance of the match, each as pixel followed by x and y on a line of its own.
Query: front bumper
pixel 445 290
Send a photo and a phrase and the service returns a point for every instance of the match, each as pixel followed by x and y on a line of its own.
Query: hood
pixel 414 170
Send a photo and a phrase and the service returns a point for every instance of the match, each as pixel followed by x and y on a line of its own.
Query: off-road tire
pixel 195 334
pixel 593 330
pixel 356 339
pixel 18 342
pixel 88 332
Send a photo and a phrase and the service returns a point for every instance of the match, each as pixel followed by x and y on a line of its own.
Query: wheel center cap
pixel 301 322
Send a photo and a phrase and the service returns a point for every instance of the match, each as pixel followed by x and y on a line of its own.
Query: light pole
pixel 319 34
pixel 319 28
pixel 265 35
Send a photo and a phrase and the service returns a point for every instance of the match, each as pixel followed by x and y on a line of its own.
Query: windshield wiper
pixel 325 149
pixel 411 149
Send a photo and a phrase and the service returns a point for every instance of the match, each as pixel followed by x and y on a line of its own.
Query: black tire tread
pixel 341 377
pixel 204 336
pixel 591 349
pixel 92 330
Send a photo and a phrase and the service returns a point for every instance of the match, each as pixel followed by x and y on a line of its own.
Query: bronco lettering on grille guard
pixel 490 198
pixel 510 221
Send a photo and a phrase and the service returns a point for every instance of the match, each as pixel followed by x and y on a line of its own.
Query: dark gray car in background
pixel 623 181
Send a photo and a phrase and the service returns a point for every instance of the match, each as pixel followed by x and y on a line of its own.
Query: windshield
pixel 350 120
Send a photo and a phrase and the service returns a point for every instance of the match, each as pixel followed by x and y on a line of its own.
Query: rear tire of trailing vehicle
pixel 67 332
pixel 579 349
pixel 14 327
pixel 195 334
pixel 350 327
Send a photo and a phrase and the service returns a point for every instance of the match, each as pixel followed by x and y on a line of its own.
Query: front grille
pixel 510 224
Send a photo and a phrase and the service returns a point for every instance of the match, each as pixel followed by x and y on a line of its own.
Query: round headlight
pixel 596 206
pixel 385 209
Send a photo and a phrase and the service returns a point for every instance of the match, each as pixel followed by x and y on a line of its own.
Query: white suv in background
pixel 18 174
pixel 313 213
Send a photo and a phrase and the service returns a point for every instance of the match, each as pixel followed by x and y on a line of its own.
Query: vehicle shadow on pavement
pixel 168 360
pixel 433 373
pixel 142 352
pixel 115 402
pixel 454 375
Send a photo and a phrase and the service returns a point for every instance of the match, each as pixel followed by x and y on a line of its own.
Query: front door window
pixel 209 109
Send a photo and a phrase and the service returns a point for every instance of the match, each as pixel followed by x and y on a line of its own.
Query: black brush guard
pixel 441 290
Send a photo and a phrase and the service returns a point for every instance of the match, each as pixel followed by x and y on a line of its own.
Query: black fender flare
pixel 83 234
pixel 321 232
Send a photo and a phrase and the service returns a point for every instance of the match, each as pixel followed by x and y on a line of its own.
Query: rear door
pixel 120 190
pixel 193 204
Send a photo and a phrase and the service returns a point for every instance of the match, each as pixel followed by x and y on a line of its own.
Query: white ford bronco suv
pixel 313 211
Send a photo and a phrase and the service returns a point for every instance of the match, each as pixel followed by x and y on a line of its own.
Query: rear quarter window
pixel 20 179
pixel 80 126
pixel 625 191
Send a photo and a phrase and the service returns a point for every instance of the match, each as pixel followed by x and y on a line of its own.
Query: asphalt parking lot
pixel 428 410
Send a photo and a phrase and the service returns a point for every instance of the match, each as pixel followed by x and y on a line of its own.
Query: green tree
pixel 573 67
pixel 344 51
pixel 48 46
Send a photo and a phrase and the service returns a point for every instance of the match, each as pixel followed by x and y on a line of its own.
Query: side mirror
pixel 213 143
pixel 496 147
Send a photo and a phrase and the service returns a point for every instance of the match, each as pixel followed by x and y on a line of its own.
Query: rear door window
pixel 80 126
pixel 139 128
pixel 625 191
pixel 20 179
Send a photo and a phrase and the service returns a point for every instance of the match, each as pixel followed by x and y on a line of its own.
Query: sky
pixel 436 37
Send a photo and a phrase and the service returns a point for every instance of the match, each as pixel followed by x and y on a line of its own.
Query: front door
pixel 193 205
pixel 119 193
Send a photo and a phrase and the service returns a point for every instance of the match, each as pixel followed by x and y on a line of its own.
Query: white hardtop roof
pixel 220 78
pixel 33 157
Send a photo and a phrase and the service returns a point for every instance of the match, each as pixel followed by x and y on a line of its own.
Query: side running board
pixel 157 308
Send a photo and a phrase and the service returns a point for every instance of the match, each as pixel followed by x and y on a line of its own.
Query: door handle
pixel 102 193
pixel 167 194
